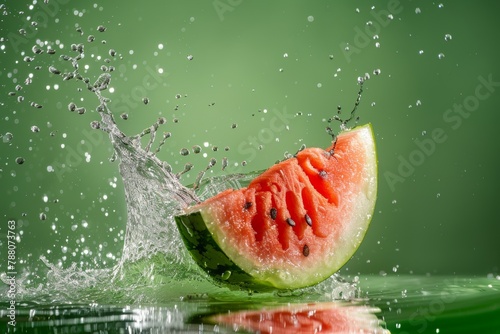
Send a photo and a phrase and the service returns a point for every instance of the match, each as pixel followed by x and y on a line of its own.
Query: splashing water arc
pixel 149 211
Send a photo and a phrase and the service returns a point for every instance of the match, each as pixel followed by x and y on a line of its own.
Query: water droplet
pixel 71 106
pixel 234 126
pixel 184 151
pixel 145 100
pixel 102 81
pixel 447 37
pixel 124 116
pixel 418 10
pixel 394 201
pixel 101 28
pixel 190 57
pixel 418 103
pixel 95 125
pixel 438 195
pixel 285 55
pixel 441 55
pixel 35 128
pixel 43 216
pixel 7 137
pixel 196 149
pixel 421 52
pixel 310 18
pixel 440 5
pixel 112 52
pixel 36 50
pixel 54 70
pixel 377 71
pixel 20 160
pixel 225 276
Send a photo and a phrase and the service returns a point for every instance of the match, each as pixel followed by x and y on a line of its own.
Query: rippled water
pixel 402 304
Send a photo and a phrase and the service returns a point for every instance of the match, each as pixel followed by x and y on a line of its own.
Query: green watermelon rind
pixel 210 257
pixel 204 242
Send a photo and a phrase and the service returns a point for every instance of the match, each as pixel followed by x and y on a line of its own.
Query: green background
pixel 436 208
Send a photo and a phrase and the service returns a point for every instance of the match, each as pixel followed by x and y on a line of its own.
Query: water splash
pixel 153 254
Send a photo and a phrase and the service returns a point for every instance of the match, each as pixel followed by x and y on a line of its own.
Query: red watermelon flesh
pixel 299 221
pixel 308 318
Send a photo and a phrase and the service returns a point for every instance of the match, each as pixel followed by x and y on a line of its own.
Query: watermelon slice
pixel 305 318
pixel 295 224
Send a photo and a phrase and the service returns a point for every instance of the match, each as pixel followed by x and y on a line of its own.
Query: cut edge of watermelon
pixel 293 277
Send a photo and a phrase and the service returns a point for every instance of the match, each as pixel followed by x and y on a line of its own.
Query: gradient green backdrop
pixel 276 69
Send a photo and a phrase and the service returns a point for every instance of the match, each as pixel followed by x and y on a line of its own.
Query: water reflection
pixel 197 317
pixel 330 317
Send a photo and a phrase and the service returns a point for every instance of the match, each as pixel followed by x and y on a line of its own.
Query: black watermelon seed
pixel 305 250
pixel 248 205
pixel 290 222
pixel 308 220
pixel 274 213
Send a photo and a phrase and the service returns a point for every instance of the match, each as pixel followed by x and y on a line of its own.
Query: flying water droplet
pixel 196 149
pixel 225 276
pixel 54 70
pixel 7 138
pixel 102 81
